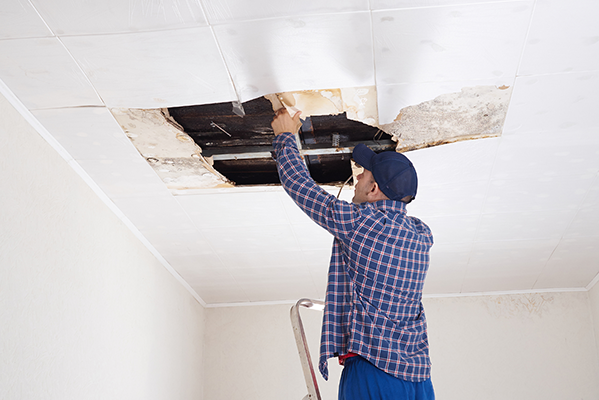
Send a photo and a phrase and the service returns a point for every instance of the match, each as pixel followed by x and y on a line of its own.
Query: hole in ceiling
pixel 240 147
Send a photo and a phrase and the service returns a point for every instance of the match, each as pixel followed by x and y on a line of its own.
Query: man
pixel 373 320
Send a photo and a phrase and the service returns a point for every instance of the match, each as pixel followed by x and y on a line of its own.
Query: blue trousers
pixel 360 380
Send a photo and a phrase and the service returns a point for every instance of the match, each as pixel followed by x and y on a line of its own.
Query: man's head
pixel 387 175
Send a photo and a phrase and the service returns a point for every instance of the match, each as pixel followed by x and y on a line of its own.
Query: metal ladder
pixel 302 345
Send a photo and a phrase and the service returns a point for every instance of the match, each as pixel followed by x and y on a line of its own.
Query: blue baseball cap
pixel 392 171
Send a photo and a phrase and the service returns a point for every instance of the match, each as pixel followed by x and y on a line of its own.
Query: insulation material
pixel 474 112
pixel 175 157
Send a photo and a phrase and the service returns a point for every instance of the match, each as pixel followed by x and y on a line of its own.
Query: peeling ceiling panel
pixel 154 69
pixel 71 17
pixel 442 46
pixel 221 11
pixel 19 19
pixel 473 113
pixel 300 53
pixel 577 50
pixel 43 75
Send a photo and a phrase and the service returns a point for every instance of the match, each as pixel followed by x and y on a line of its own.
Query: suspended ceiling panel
pixel 519 211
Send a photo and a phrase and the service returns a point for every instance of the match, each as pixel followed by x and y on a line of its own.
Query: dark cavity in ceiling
pixel 241 146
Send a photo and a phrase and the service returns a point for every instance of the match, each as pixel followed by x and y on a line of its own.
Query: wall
pixel 251 354
pixel 594 300
pixel 535 346
pixel 86 311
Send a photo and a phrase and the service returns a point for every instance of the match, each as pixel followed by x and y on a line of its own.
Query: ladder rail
pixel 302 346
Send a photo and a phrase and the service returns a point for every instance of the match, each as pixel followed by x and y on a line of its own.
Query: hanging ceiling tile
pixel 19 19
pixel 549 50
pixel 441 44
pixel 43 75
pixel 154 69
pixel 68 17
pixel 300 53
pixel 222 11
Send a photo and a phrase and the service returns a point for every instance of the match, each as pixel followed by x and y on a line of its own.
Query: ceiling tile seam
pixel 382 10
pixel 81 70
pixel 590 188
pixel 373 49
pixel 523 48
pixel 45 134
pixel 425 82
pixel 222 57
pixel 41 18
pixel 466 267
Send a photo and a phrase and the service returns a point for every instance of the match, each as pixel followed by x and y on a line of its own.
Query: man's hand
pixel 283 122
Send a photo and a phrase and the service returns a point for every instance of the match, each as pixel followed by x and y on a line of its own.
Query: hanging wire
pixel 342 186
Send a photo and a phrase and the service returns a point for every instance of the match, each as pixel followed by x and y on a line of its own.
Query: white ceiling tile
pixel 586 223
pixel 225 290
pixel 300 53
pixel 156 213
pixel 154 69
pixel 87 133
pixel 576 41
pixel 467 161
pixel 397 4
pixel 394 97
pixel 524 225
pixel 43 75
pixel 448 265
pixel 312 237
pixel 124 177
pixel 574 263
pixel 19 19
pixel 547 154
pixel 250 239
pixel 513 257
pixel 220 11
pixel 280 259
pixel 235 209
pixel 66 17
pixel 295 214
pixel 558 102
pixel 536 194
pixel 441 46
pixel 176 240
pixel 198 269
pixel 453 229
pixel 465 198
pixel 497 281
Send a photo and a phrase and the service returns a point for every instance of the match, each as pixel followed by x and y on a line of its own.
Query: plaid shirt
pixel 380 258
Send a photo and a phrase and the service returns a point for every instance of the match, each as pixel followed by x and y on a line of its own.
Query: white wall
pixel 535 346
pixel 86 311
pixel 532 346
pixel 594 299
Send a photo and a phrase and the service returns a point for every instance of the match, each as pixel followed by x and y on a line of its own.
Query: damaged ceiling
pixel 166 106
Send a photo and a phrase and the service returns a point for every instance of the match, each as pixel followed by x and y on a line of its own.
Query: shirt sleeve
pixel 336 216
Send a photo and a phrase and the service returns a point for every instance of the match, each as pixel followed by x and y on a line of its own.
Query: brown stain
pixel 503 87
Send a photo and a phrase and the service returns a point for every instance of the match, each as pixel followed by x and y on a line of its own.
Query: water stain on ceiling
pixel 224 145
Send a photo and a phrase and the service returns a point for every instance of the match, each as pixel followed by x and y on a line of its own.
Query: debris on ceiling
pixel 217 145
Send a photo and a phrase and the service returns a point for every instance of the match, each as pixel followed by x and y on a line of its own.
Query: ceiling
pixel 517 212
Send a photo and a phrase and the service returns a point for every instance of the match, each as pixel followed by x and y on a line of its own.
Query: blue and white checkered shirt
pixel 378 265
